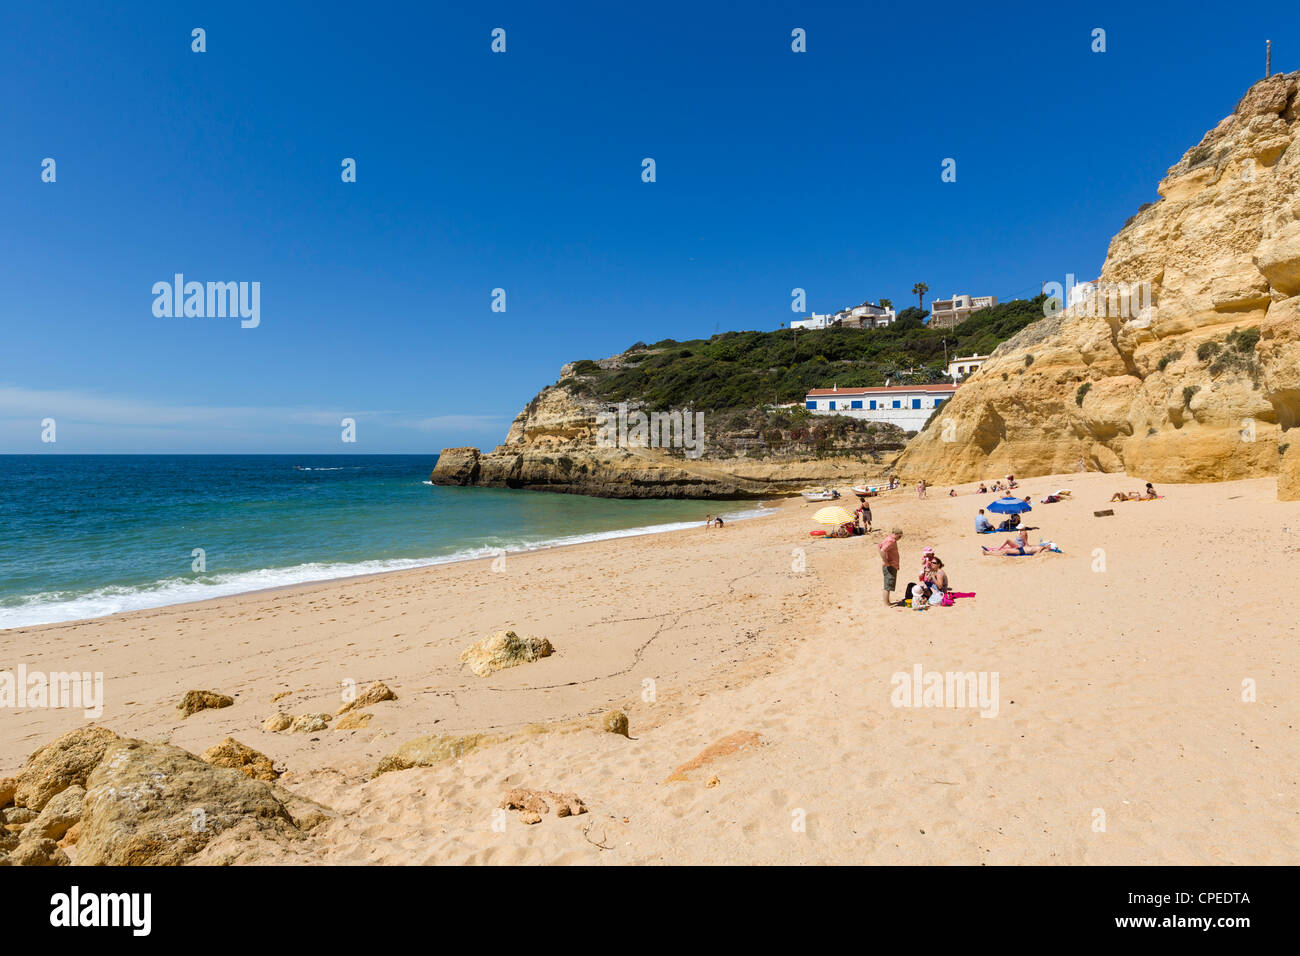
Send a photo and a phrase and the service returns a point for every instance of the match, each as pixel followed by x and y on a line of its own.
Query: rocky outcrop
pixel 66 762
pixel 504 649
pixel 158 805
pixel 128 802
pixel 1197 382
pixel 554 445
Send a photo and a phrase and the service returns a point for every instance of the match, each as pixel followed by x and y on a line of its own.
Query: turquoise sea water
pixel 87 535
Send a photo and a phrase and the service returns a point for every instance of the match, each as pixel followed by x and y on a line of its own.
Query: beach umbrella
pixel 836 516
pixel 1010 506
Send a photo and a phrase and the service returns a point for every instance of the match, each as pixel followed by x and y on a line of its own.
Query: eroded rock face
pixel 1201 386
pixel 552 445
pixel 157 805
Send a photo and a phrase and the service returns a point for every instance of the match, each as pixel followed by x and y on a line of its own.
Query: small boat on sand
pixel 865 491
pixel 826 494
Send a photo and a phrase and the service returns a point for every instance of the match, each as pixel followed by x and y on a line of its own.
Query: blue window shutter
pixel 857 404
pixel 811 406
pixel 916 403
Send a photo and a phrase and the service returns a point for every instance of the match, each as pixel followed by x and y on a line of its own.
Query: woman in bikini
pixel 1020 546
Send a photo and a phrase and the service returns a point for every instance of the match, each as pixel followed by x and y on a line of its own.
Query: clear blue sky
pixel 522 170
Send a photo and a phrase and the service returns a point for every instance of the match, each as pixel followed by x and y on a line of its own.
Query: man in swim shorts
pixel 889 562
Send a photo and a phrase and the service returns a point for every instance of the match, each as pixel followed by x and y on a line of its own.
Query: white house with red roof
pixel 907 406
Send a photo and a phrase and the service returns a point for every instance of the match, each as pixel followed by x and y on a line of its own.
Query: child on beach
pixel 920 598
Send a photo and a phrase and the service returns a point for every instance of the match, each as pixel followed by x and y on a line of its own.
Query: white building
pixel 1081 292
pixel 965 365
pixel 907 406
pixel 813 321
pixel 865 316
pixel 946 313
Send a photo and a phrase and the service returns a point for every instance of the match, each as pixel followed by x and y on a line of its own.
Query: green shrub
pixel 1188 392
pixel 1243 340
pixel 1169 357
pixel 1084 389
pixel 1029 360
pixel 1207 350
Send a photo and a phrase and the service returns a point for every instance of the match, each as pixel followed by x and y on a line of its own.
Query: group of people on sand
pixel 861 523
pixel 985 489
pixel 1148 494
pixel 713 521
pixel 930 589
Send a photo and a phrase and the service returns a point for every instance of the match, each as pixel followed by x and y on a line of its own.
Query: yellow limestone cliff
pixel 1198 378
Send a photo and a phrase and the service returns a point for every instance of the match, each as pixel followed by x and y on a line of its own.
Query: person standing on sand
pixel 889 562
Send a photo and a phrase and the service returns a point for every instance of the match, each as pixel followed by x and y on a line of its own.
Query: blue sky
pixel 522 171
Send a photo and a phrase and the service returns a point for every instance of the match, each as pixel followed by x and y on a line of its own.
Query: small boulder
pixel 277 722
pixel 374 693
pixel 197 700
pixel 310 723
pixel 614 722
pixel 38 851
pixel 7 787
pixel 353 721
pixel 537 802
pixel 59 816
pixel 58 765
pixel 504 649
pixel 231 753
pixel 18 816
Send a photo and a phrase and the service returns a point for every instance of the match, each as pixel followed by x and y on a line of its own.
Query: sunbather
pixel 1020 546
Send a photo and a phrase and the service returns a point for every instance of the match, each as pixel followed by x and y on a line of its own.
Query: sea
pixel 87 535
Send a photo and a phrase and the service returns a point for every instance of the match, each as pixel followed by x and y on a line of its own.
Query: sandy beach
pixel 1119 732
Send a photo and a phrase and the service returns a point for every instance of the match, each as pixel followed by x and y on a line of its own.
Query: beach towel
pixel 961 594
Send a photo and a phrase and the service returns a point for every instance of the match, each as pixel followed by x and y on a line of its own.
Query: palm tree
pixel 919 290
pixel 886 303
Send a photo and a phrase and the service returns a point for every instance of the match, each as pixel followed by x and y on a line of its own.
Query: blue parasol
pixel 1010 506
